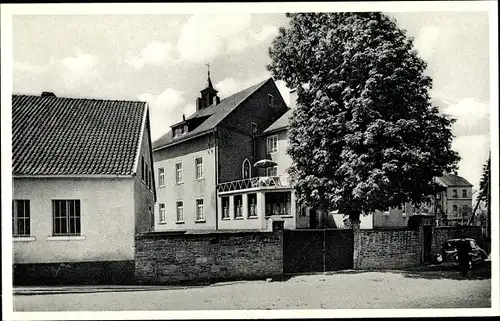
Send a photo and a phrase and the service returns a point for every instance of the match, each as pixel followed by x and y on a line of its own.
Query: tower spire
pixel 209 81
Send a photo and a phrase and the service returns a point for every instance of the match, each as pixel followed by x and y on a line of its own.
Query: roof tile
pixel 74 136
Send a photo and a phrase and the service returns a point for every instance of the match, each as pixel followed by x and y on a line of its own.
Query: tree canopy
pixel 485 182
pixel 364 135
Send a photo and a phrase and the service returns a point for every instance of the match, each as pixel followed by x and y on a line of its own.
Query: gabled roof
pixel 215 115
pixel 72 136
pixel 280 124
pixel 450 180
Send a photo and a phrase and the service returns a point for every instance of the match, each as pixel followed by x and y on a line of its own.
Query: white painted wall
pixel 107 220
pixel 190 190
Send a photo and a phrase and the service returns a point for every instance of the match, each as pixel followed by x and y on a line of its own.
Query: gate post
pixel 356 262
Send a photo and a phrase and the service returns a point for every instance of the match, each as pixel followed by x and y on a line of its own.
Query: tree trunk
pixel 355 226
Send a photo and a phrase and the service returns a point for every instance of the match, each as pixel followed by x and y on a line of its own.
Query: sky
pixel 161 59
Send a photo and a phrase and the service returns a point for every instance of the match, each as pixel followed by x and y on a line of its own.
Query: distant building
pixel 82 187
pixel 453 205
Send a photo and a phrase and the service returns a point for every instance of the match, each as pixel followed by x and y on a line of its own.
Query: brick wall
pixel 162 258
pixel 388 248
pixel 442 233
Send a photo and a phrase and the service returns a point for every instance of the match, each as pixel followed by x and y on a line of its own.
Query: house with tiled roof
pixel 204 164
pixel 82 187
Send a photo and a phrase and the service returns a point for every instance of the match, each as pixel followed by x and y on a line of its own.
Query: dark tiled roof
pixel 454 180
pixel 71 136
pixel 215 115
pixel 280 123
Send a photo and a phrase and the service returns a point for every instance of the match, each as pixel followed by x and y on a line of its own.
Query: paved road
pixel 361 290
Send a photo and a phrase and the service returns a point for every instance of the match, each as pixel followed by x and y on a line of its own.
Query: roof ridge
pixel 81 98
pixel 219 110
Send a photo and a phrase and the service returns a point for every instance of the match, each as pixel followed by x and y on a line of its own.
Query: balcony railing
pixel 264 182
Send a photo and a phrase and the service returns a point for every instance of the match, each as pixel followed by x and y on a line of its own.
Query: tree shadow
pixel 450 272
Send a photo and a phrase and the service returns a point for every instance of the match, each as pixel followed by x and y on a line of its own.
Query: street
pixel 345 290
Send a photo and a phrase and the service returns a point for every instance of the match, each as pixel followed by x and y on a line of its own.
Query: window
pixel 178 173
pixel 143 168
pixel 272 171
pixel 271 100
pixel 272 144
pixel 464 193
pixel 455 208
pixel 246 169
pixel 66 215
pixel 252 205
pixel 178 131
pixel 21 218
pixel 278 203
pixel 161 176
pixel 145 174
pixel 238 206
pixel 180 211
pixel 455 195
pixel 225 207
pixel 162 217
pixel 200 216
pixel 254 127
pixel 198 164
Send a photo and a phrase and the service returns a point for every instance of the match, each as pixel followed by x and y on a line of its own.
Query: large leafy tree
pixel 364 135
pixel 485 190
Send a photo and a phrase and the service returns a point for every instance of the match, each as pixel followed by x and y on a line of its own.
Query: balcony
pixel 255 183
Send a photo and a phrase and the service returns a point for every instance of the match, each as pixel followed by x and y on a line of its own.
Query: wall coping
pixel 156 235
pixel 388 229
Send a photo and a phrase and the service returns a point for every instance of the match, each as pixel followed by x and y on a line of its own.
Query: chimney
pixel 48 94
pixel 293 98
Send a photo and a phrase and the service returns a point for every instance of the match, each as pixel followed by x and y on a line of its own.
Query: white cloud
pixel 266 32
pixel 166 109
pixel 427 41
pixel 205 35
pixel 474 151
pixel 155 53
pixel 472 117
pixel 77 70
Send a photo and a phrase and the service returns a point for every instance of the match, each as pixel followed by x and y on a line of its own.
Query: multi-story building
pixel 453 204
pixel 204 164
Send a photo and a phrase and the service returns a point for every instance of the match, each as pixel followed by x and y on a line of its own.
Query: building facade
pixel 453 204
pixel 82 187
pixel 197 161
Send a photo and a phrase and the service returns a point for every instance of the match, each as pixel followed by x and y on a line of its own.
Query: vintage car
pixel 449 252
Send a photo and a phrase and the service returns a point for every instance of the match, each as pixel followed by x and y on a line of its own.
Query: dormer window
pixel 181 130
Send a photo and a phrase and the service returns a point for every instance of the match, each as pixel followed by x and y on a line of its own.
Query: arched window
pixel 246 169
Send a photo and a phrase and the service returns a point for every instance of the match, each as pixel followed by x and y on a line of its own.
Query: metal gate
pixel 317 250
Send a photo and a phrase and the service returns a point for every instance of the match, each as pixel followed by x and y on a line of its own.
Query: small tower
pixel 208 95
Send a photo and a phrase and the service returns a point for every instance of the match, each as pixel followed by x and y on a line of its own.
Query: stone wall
pixel 388 248
pixel 163 258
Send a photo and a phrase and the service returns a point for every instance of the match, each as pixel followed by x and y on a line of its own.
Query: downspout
pixel 216 148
